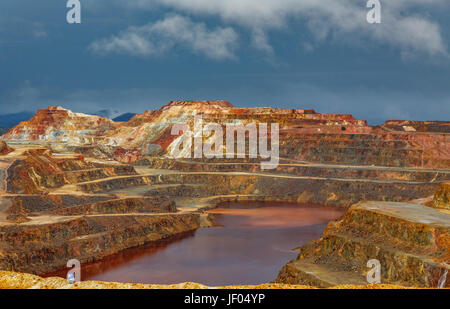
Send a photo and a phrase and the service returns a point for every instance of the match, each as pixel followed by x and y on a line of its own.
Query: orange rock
pixel 441 198
pixel 4 149
pixel 13 280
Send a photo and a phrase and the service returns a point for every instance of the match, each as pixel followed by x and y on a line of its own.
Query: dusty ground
pixel 12 280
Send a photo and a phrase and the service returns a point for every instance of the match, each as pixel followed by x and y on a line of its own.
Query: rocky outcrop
pixel 44 247
pixel 418 126
pixel 37 170
pixel 35 204
pixel 16 213
pixel 214 104
pixel 411 242
pixel 56 124
pixel 302 169
pixel 120 206
pixel 4 148
pixel 441 198
pixel 325 191
pixel 305 134
pixel 395 149
pixel 80 186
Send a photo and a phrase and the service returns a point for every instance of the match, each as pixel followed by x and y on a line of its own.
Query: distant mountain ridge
pixel 3 130
pixel 124 117
pixel 11 120
pixel 114 115
pixel 107 113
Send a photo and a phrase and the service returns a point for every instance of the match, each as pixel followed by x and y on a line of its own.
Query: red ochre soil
pixel 80 186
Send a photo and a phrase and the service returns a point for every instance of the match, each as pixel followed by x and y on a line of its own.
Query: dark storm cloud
pixel 133 56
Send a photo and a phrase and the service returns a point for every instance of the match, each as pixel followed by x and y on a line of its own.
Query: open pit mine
pixel 76 186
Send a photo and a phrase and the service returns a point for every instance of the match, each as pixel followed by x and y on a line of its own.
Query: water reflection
pixel 254 241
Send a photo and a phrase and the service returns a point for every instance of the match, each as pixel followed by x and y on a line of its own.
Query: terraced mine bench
pixel 75 185
pixel 411 242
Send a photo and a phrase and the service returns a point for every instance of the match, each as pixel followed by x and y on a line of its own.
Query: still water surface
pixel 254 241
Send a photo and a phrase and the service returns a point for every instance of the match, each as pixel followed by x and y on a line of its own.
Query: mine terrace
pixel 81 186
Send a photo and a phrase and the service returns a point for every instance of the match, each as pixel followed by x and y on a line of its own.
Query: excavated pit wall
pixel 310 170
pixel 397 149
pixel 42 203
pixel 321 191
pixel 305 136
pixel 441 198
pixel 120 206
pixel 411 242
pixel 42 249
pixel 39 171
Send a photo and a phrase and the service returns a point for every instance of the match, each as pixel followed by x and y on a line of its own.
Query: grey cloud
pixel 399 28
pixel 154 39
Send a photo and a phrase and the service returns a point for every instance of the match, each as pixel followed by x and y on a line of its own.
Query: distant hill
pixel 8 121
pixel 107 113
pixel 124 117
pixel 11 120
pixel 3 130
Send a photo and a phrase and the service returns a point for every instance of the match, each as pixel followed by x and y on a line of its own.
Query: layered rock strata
pixel 442 197
pixel 80 186
pixel 305 134
pixel 41 246
pixel 42 228
pixel 410 241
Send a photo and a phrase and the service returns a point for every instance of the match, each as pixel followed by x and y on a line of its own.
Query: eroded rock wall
pixel 441 198
pixel 305 134
pixel 37 170
pixel 4 148
pixel 410 241
pixel 41 249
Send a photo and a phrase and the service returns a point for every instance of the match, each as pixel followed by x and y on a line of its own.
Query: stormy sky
pixel 135 55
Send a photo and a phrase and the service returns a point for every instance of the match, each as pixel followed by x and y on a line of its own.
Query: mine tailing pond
pixel 252 243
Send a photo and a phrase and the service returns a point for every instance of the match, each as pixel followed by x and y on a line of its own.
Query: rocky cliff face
pixel 56 124
pixel 38 170
pixel 79 185
pixel 410 241
pixel 4 149
pixel 37 248
pixel 441 198
pixel 417 126
pixel 305 134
